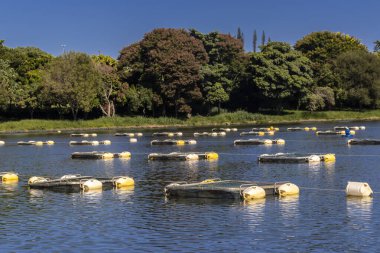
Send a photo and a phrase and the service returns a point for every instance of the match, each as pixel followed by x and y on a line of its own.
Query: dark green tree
pixel 254 41
pixel 263 38
pixel 240 36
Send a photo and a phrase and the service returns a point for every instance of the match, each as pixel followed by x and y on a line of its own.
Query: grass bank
pixel 239 117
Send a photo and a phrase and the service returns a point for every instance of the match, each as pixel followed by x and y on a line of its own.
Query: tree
pixel 171 60
pixel 263 38
pixel 216 95
pixel 73 82
pixel 137 99
pixel 8 84
pixel 322 48
pixel 358 74
pixel 377 46
pixel 240 35
pixel 110 83
pixel 314 102
pixel 254 41
pixel 280 73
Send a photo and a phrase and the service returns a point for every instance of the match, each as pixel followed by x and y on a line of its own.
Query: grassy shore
pixel 235 118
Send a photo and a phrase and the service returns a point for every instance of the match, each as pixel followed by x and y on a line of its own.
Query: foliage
pixel 280 73
pixel 72 82
pixel 8 85
pixel 216 95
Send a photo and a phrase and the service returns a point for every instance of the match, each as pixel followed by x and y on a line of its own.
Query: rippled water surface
pixel 142 220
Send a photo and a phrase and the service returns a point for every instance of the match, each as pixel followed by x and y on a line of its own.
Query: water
pixel 142 220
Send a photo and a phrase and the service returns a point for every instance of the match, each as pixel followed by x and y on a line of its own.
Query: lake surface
pixel 143 220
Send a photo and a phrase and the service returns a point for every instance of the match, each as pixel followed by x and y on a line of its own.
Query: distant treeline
pixel 179 73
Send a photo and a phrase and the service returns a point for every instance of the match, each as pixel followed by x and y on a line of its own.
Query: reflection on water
pixel 289 207
pixel 124 193
pixel 9 185
pixel 330 167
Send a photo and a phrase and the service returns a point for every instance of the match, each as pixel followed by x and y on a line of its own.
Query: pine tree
pixel 263 38
pixel 269 40
pixel 240 35
pixel 254 41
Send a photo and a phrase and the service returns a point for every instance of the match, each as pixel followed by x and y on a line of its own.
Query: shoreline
pixel 145 127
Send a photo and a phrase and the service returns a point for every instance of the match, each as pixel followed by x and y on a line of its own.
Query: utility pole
pixel 63 48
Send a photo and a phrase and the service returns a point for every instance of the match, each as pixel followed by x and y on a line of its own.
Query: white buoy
pixel 106 142
pixel 288 189
pixel 132 140
pixel 33 180
pixel 214 134
pixel 359 189
pixel 192 157
pixel 314 158
pixel 268 142
pixel 69 176
pixel 91 184
pixel 2 142
pixel 362 128
pixel 192 142
pixel 179 134
pixel 139 134
pixel 280 141
pixel 253 192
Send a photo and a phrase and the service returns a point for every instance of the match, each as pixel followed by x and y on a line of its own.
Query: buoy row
pixel 265 129
pixel 260 133
pixel 78 182
pixel 129 134
pixel 339 128
pixel 100 155
pixel 294 129
pixel 363 142
pixel 184 156
pixel 173 142
pixel 295 158
pixel 168 134
pixel 8 177
pixel 84 135
pixel 259 142
pixel 224 129
pixel 90 143
pixel 214 134
pixel 330 132
pixel 35 143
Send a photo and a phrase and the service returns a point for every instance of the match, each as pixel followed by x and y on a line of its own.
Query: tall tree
pixel 254 41
pixel 280 73
pixel 263 38
pixel 377 46
pixel 8 85
pixel 73 82
pixel 111 84
pixel 240 35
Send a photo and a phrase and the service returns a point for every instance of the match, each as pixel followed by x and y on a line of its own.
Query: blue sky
pixel 106 26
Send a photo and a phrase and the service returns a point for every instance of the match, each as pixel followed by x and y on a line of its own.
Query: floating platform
pixel 100 155
pixel 173 142
pixel 295 158
pixel 214 134
pixel 129 134
pixel 89 143
pixel 259 142
pixel 260 133
pixel 35 143
pixel 78 183
pixel 84 135
pixel 227 189
pixel 178 156
pixel 364 142
pixel 224 129
pixel 340 128
pixel 330 132
pixel 295 129
pixel 265 129
pixel 167 134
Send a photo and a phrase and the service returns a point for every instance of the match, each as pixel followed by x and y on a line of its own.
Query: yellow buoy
pixel 288 189
pixel 124 182
pixel 212 156
pixel 329 158
pixel 181 142
pixel 170 134
pixel 124 154
pixel 352 132
pixel 39 143
pixel 280 141
pixel 261 133
pixel 91 184
pixel 95 143
pixel 107 155
pixel 307 129
pixel 270 132
pixel 33 180
pixel 358 189
pixel 94 135
pixel 253 192
pixel 314 129
pixel 268 142
pixel 9 177
pixel 139 134
pixel 50 142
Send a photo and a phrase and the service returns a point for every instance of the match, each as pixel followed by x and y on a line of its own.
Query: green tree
pixel 254 41
pixel 358 75
pixel 263 39
pixel 240 35
pixel 8 85
pixel 322 48
pixel 72 81
pixel 110 83
pixel 377 46
pixel 280 73
pixel 137 99
pixel 216 95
